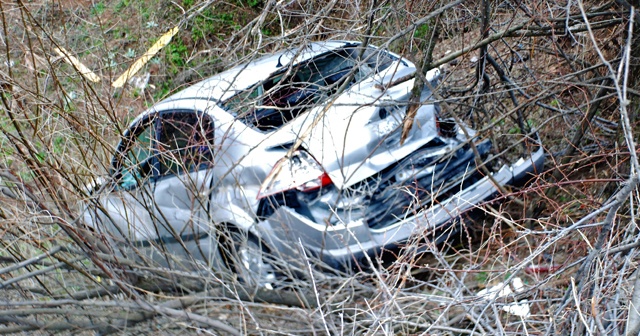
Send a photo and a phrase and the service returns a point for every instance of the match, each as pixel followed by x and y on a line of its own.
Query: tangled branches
pixel 557 256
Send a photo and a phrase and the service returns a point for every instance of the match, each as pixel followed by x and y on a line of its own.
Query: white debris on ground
pixel 140 82
pixel 501 290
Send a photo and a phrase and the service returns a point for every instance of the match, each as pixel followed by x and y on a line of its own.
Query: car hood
pixel 358 134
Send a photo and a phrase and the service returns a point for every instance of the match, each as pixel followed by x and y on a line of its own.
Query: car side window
pixel 185 142
pixel 244 102
pixel 135 162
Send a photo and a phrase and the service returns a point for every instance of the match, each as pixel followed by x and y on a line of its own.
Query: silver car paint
pixel 345 135
pixel 341 242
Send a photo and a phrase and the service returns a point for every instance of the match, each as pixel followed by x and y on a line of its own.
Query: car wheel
pixel 247 257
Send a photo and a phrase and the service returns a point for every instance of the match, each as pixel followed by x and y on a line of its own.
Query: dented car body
pixel 298 155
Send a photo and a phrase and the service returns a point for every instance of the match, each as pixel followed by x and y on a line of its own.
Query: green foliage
pixel 41 156
pixel 98 8
pixel 177 53
pixel 203 25
pixel 130 53
pixel 530 124
pixel 122 5
pixel 482 277
pixel 145 12
pixel 210 23
pixel 422 31
pixel 228 19
pixel 6 150
pixel 253 3
pixel 58 142
pixel 501 122
pixel 163 91
pixel 137 7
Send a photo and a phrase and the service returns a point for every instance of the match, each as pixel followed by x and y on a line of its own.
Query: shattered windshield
pixel 282 97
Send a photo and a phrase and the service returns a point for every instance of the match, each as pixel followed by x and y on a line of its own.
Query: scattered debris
pixel 501 290
pixel 84 71
pixel 140 82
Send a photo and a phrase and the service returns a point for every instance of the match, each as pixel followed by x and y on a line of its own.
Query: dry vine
pixel 566 70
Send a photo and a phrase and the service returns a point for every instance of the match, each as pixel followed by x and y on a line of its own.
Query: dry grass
pixel 570 236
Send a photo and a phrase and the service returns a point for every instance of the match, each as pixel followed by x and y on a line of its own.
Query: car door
pixel 185 148
pixel 127 212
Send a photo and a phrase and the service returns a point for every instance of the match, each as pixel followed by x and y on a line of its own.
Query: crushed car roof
pixel 225 84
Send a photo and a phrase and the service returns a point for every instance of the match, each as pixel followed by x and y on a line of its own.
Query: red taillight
pixel 322 181
pixel 300 171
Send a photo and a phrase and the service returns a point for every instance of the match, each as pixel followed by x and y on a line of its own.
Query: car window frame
pixel 152 121
pixel 249 103
pixel 117 164
pixel 200 114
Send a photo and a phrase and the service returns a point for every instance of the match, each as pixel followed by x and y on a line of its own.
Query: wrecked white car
pixel 292 156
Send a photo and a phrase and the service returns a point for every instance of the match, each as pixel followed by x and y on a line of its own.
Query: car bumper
pixel 348 245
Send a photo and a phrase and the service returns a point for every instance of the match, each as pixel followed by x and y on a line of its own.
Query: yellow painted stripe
pixel 84 71
pixel 140 62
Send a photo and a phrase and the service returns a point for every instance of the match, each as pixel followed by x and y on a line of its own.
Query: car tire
pixel 247 257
